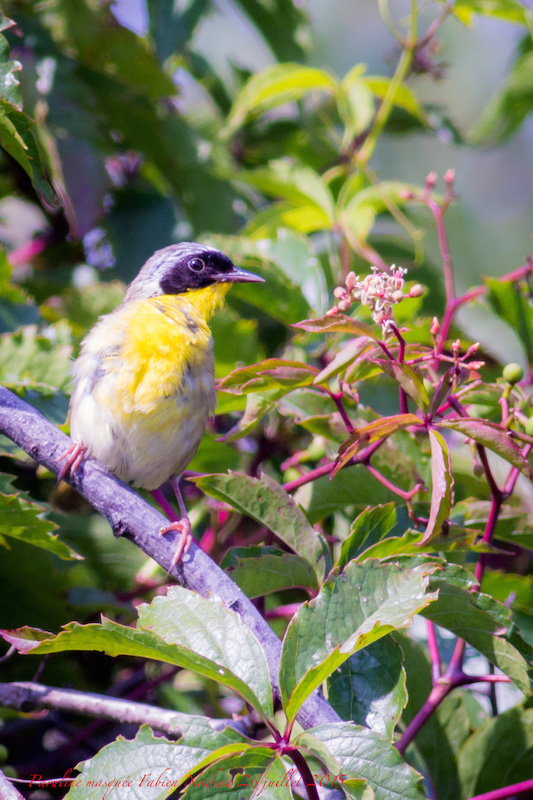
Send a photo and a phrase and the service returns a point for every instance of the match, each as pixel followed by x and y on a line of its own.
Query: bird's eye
pixel 196 264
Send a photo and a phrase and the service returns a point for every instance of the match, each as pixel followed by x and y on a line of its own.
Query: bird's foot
pixel 72 456
pixel 185 540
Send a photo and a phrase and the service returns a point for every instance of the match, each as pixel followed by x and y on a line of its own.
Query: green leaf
pixel 184 629
pixel 273 373
pixel 352 610
pixel 274 86
pixel 207 627
pixel 360 753
pixel 455 540
pixel 21 519
pixel 492 436
pixel 287 41
pixel 258 771
pixel 283 300
pixel 357 208
pixel 486 761
pixel 337 323
pixel 262 570
pixel 483 623
pixel 369 688
pixel 403 97
pixel 408 378
pixel 9 83
pixel 300 185
pixel 378 429
pixel 441 486
pixel 295 256
pixel 171 26
pixel 356 104
pixel 19 137
pixel 314 411
pixel 257 406
pixel 266 501
pixel 28 358
pixel 152 765
pixel 345 355
pixel 509 10
pixel 511 304
pixel 372 525
pixel 98 42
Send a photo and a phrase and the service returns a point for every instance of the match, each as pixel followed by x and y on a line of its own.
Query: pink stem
pixel 337 399
pixel 405 495
pixel 325 469
pixel 507 791
pixel 165 506
pixel 282 612
pixel 434 653
pixel 29 250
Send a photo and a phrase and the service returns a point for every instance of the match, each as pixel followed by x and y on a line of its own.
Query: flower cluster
pixel 380 291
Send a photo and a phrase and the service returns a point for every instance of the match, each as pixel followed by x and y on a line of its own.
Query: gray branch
pixel 7 790
pixel 132 517
pixel 28 697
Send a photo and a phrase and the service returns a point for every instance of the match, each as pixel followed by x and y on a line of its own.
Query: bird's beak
pixel 238 275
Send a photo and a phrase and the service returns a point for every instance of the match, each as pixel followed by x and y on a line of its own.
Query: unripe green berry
pixel 478 470
pixel 291 474
pixel 10 772
pixel 513 373
pixel 3 754
pixel 529 426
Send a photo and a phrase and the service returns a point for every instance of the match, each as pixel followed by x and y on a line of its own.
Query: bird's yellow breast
pixel 145 386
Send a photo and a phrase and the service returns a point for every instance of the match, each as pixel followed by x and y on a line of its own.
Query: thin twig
pixel 29 697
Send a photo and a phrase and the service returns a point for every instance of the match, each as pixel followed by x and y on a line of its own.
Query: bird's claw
pixel 185 540
pixel 72 456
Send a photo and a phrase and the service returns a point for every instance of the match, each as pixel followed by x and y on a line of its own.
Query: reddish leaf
pixel 492 436
pixel 408 378
pixel 269 374
pixel 450 381
pixel 338 323
pixel 442 485
pixel 362 437
pixel 25 639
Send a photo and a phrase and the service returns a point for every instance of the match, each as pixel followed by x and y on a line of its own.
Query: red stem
pixel 307 776
pixel 337 399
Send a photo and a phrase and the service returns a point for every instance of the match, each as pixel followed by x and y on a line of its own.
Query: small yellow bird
pixel 144 379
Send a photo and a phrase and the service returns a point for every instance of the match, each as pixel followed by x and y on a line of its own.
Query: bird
pixel 143 383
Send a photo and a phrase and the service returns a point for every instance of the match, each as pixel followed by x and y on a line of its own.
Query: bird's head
pixel 186 267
